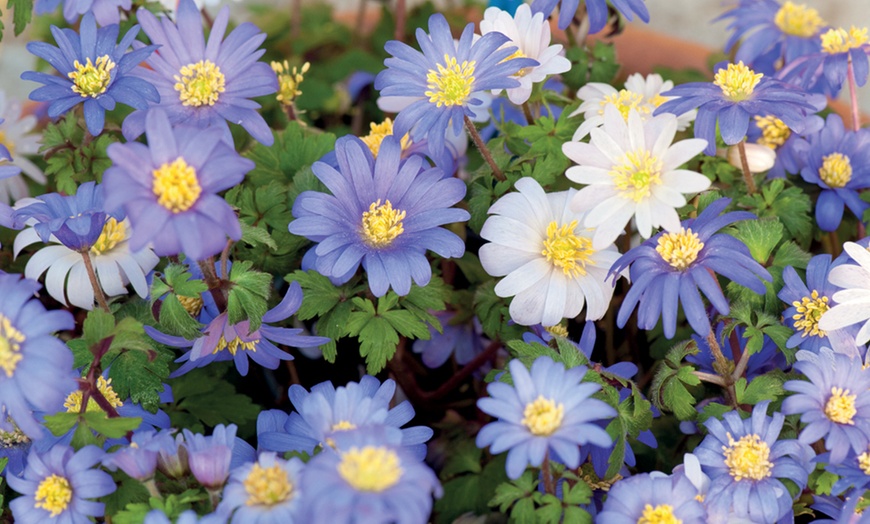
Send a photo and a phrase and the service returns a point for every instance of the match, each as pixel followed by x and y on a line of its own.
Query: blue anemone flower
pixel 105 11
pixel 826 71
pixel 653 498
pixel 266 491
pixel 596 9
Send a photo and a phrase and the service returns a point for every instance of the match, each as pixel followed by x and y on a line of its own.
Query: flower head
pixel 210 457
pixel 268 490
pixel 598 11
pixel 19 139
pixel 105 11
pixel 651 499
pixel 139 459
pixel 463 340
pixel 852 304
pixel 826 70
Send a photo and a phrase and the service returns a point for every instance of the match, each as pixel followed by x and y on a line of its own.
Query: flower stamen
pixel 638 173
pixel 566 250
pixel 679 249
pixel 10 346
pixel 370 468
pixel 200 83
pixel 53 495
pixel 840 407
pixel 836 170
pixel 451 84
pixel 92 79
pixel 774 132
pixel 176 186
pixel 377 134
pixel 809 311
pixel 798 20
pixel 267 486
pixel 114 232
pixel 543 416
pixel 381 224
pixel 747 458
pixel 737 82
pixel 839 40
pixel 660 514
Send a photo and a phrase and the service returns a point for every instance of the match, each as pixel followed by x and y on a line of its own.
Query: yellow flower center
pixel 679 249
pixel 840 407
pixel 175 185
pixel 450 85
pixel 557 331
pixel 836 170
pixel 73 402
pixel 370 468
pixel 10 346
pixel 92 79
pixel 200 84
pixel 377 134
pixel 343 425
pixel 267 486
pixel 625 101
pixel 113 233
pixel 864 462
pixel 12 438
pixel 53 495
pixel 566 250
pixel 289 80
pixel 840 41
pixel 543 416
pixel 235 345
pixel 5 141
pixel 798 20
pixel 193 305
pixel 748 458
pixel 809 311
pixel 381 224
pixel 638 173
pixel 737 82
pixel 661 514
pixel 774 132
pixel 518 54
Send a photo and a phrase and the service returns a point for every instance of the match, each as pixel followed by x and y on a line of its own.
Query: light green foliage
pixel 176 281
pixel 249 293
pixel 670 386
pixel 73 156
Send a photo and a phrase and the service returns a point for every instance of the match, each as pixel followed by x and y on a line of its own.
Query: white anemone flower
pixel 643 94
pixel 632 169
pixel 853 302
pixel 16 134
pixel 538 244
pixel 531 36
pixel 115 265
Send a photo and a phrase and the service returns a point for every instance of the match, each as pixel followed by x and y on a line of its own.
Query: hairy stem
pixel 744 162
pixel 475 137
pixel 92 276
pixel 853 95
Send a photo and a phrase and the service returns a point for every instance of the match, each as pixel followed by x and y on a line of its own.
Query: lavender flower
pixel 75 221
pixel 268 490
pixel 596 9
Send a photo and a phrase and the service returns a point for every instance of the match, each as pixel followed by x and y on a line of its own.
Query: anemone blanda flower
pixel 546 256
pixel 368 474
pixel 530 34
pixel 139 459
pixel 596 9
pixel 643 94
pixel 222 340
pixel 853 299
pixel 19 139
pixel 852 472
pixel 105 11
pixel 445 78
pixel 541 412
pixel 268 490
pixel 844 512
pixel 169 188
pixel 57 486
pixel 76 221
pixel 209 457
pixel 736 94
pixel 652 498
pixel 383 213
pixel 205 84
pixel 462 340
pixel 745 460
pixel 94 71
pixel 790 148
pixel 671 267
pixel 825 71
pixel 632 169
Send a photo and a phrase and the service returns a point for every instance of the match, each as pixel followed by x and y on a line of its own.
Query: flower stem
pixel 225 256
pixel 853 95
pixel 835 243
pixel 709 377
pixel 527 111
pixel 475 137
pixel 92 276
pixel 722 365
pixel 296 18
pixel 549 485
pixel 151 486
pixel 215 286
pixel 747 174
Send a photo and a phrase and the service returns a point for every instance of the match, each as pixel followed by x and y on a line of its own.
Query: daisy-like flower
pixel 105 11
pixel 268 490
pixel 205 84
pixel 57 486
pixel 94 71
pixel 531 36
pixel 596 9
pixel 446 78
pixel 745 461
pixel 75 221
pixel 826 71
pixel 643 94
pixel 834 404
pixel 653 498
pixel 546 255
pixel 670 268
pixel 852 472
pixel 383 213
pixel 838 160
pixel 736 94
pixel 169 188
pixel 35 366
pixel 853 300
pixel 17 136
pixel 367 477
pixel 632 169
pixel 542 413
pixel 222 340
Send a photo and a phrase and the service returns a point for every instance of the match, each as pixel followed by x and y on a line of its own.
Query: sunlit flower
pixel 853 301
pixel 597 10
pixel 827 70
pixel 268 490
pixel 646 498
pixel 18 137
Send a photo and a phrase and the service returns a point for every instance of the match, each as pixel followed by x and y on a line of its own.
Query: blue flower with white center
pixel 265 491
pixel 446 78
pixel 596 9
pixel 383 213
pixel 670 268
pixel 834 404
pixel 542 413
pixel 745 461
pixel 95 71
pixel 652 498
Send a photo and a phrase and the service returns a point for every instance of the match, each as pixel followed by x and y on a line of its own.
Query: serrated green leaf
pixel 140 376
pixel 760 236
pixel 255 236
pixel 60 423
pixel 295 147
pixel 22 12
pixel 762 387
pixel 407 324
pixel 248 294
pixel 111 427
pixel 175 319
pixel 319 295
pixel 97 326
pixel 579 493
pixel 378 341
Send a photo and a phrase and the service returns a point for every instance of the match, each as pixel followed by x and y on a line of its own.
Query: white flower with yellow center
pixel 16 134
pixel 853 302
pixel 546 256
pixel 632 169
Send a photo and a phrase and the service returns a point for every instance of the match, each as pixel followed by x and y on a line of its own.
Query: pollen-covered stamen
pixel 679 249
pixel 92 79
pixel 377 134
pixel 193 305
pixel 53 495
pixel 557 331
pixel 343 425
pixel 370 468
pixel 839 40
pixel 747 458
pixel 175 185
pixel 774 132
pixel 450 85
pixel 200 83
pixel 567 251
pixel 267 486
pixel 836 170
pixel 864 462
pixel 289 81
pixel 113 233
pixel 381 224
pixel 73 402
pixel 518 54
pixel 840 407
pixel 625 101
pixel 638 173
pixel 798 20
pixel 235 345
pixel 10 346
pixel 737 82
pixel 660 514
pixel 809 311
pixel 543 416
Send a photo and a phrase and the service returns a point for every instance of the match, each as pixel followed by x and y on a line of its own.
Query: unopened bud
pixel 760 158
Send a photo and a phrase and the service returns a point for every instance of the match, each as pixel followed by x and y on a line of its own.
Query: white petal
pixel 512 233
pixel 498 260
pixel 524 277
pixel 78 288
pixel 681 152
pixel 848 276
pixel 858 254
pixel 686 181
pixel 843 315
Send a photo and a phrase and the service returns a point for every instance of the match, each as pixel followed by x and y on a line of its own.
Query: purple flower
pixel 825 71
pixel 384 213
pixel 596 9
pixel 463 340
pixel 105 11
pixel 75 221
pixel 210 457
pixel 7 168
pixel 205 84
pixel 653 498
pixel 139 459
pixel 94 70
pixel 169 188
pixel 790 148
pixel 265 491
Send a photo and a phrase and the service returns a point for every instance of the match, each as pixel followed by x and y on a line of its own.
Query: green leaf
pixel 60 423
pixel 255 235
pixel 140 375
pixel 181 281
pixel 762 387
pixel 97 326
pixel 23 10
pixel 295 147
pixel 111 427
pixel 319 295
pixel 195 405
pixel 248 294
pixel 509 493
pixel 176 320
pixel 377 338
pixel 464 457
pixel 760 236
